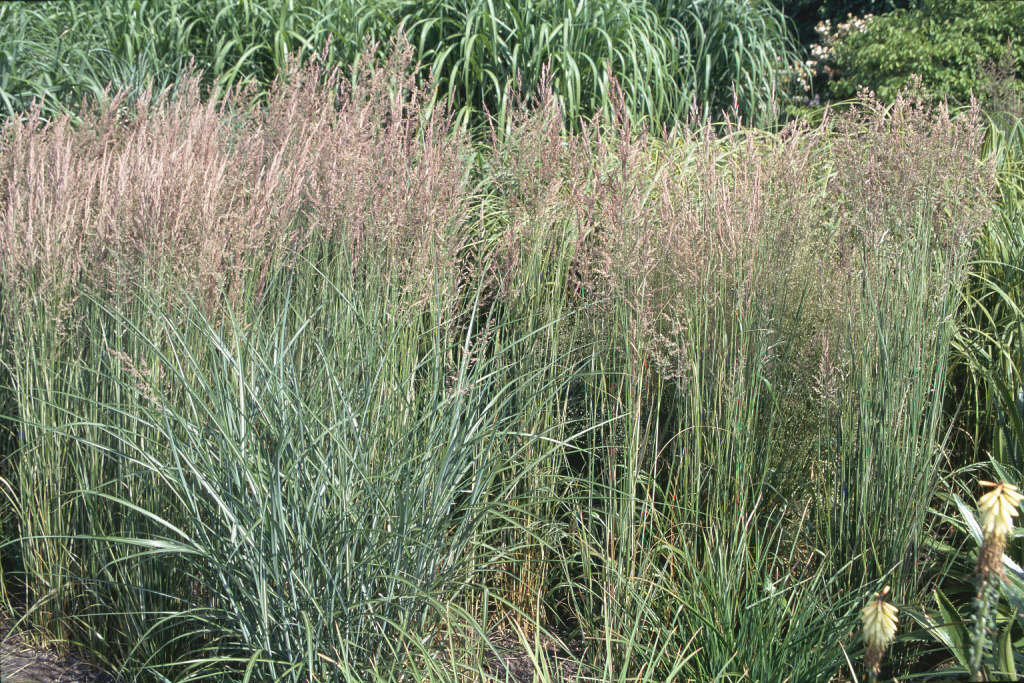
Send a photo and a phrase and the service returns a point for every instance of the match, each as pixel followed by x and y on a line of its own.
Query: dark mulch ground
pixel 20 663
pixel 514 664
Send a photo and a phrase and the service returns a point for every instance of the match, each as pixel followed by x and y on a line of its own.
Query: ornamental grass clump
pixel 200 203
pixel 878 619
pixel 997 509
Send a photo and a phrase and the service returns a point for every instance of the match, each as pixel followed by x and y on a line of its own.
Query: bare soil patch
pixel 22 663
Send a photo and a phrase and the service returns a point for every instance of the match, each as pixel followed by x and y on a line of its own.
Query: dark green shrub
pixel 806 14
pixel 948 43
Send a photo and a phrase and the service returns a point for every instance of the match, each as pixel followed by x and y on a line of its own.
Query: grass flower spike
pixel 878 619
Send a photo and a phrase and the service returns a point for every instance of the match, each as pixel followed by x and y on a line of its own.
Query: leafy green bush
pixel 806 14
pixel 837 9
pixel 948 43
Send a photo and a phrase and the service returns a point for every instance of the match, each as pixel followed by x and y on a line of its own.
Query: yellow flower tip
pixel 998 507
pixel 879 621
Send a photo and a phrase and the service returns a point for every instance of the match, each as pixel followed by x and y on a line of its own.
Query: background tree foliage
pixel 948 43
pixel 805 14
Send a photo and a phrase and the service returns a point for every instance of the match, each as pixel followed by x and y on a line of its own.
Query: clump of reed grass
pixel 626 380
pixel 200 201
pixel 711 266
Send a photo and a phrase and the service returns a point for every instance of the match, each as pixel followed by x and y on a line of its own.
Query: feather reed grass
pixel 312 388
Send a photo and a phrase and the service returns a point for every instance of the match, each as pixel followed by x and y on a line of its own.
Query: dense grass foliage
pixel 62 52
pixel 485 53
pixel 673 61
pixel 737 51
pixel 319 390
pixel 989 363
